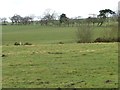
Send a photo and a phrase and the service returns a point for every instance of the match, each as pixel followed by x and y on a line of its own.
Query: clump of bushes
pixel 110 34
pixel 107 39
pixel 27 43
pixel 60 43
pixel 85 34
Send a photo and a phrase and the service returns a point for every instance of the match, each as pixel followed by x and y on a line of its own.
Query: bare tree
pixel 49 17
pixel 3 21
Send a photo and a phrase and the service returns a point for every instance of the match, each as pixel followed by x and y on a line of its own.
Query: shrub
pixel 27 43
pixel 110 34
pixel 104 40
pixel 61 43
pixel 3 55
pixel 16 43
pixel 107 39
pixel 84 33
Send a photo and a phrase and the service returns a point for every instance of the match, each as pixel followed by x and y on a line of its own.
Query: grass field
pixel 40 34
pixel 46 63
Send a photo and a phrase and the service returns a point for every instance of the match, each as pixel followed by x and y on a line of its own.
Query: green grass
pixel 37 34
pixel 40 34
pixel 46 63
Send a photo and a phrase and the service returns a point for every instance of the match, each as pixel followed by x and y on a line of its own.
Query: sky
pixel 71 8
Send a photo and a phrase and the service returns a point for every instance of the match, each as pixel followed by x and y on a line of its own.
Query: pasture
pixel 55 59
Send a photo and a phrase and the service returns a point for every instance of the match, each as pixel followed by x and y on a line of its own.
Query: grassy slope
pixel 45 64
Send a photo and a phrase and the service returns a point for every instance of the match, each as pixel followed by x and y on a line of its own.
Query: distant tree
pixel 50 14
pixel 105 13
pixel 32 16
pixel 3 20
pixel 48 17
pixel 16 19
pixel 43 22
pixel 93 20
pixel 78 20
pixel 64 19
pixel 27 20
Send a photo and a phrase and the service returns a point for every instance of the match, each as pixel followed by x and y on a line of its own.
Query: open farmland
pixel 55 59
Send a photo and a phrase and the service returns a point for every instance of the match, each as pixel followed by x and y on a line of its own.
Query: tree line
pixel 63 20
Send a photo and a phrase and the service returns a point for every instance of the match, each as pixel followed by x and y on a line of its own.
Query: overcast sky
pixel 71 8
